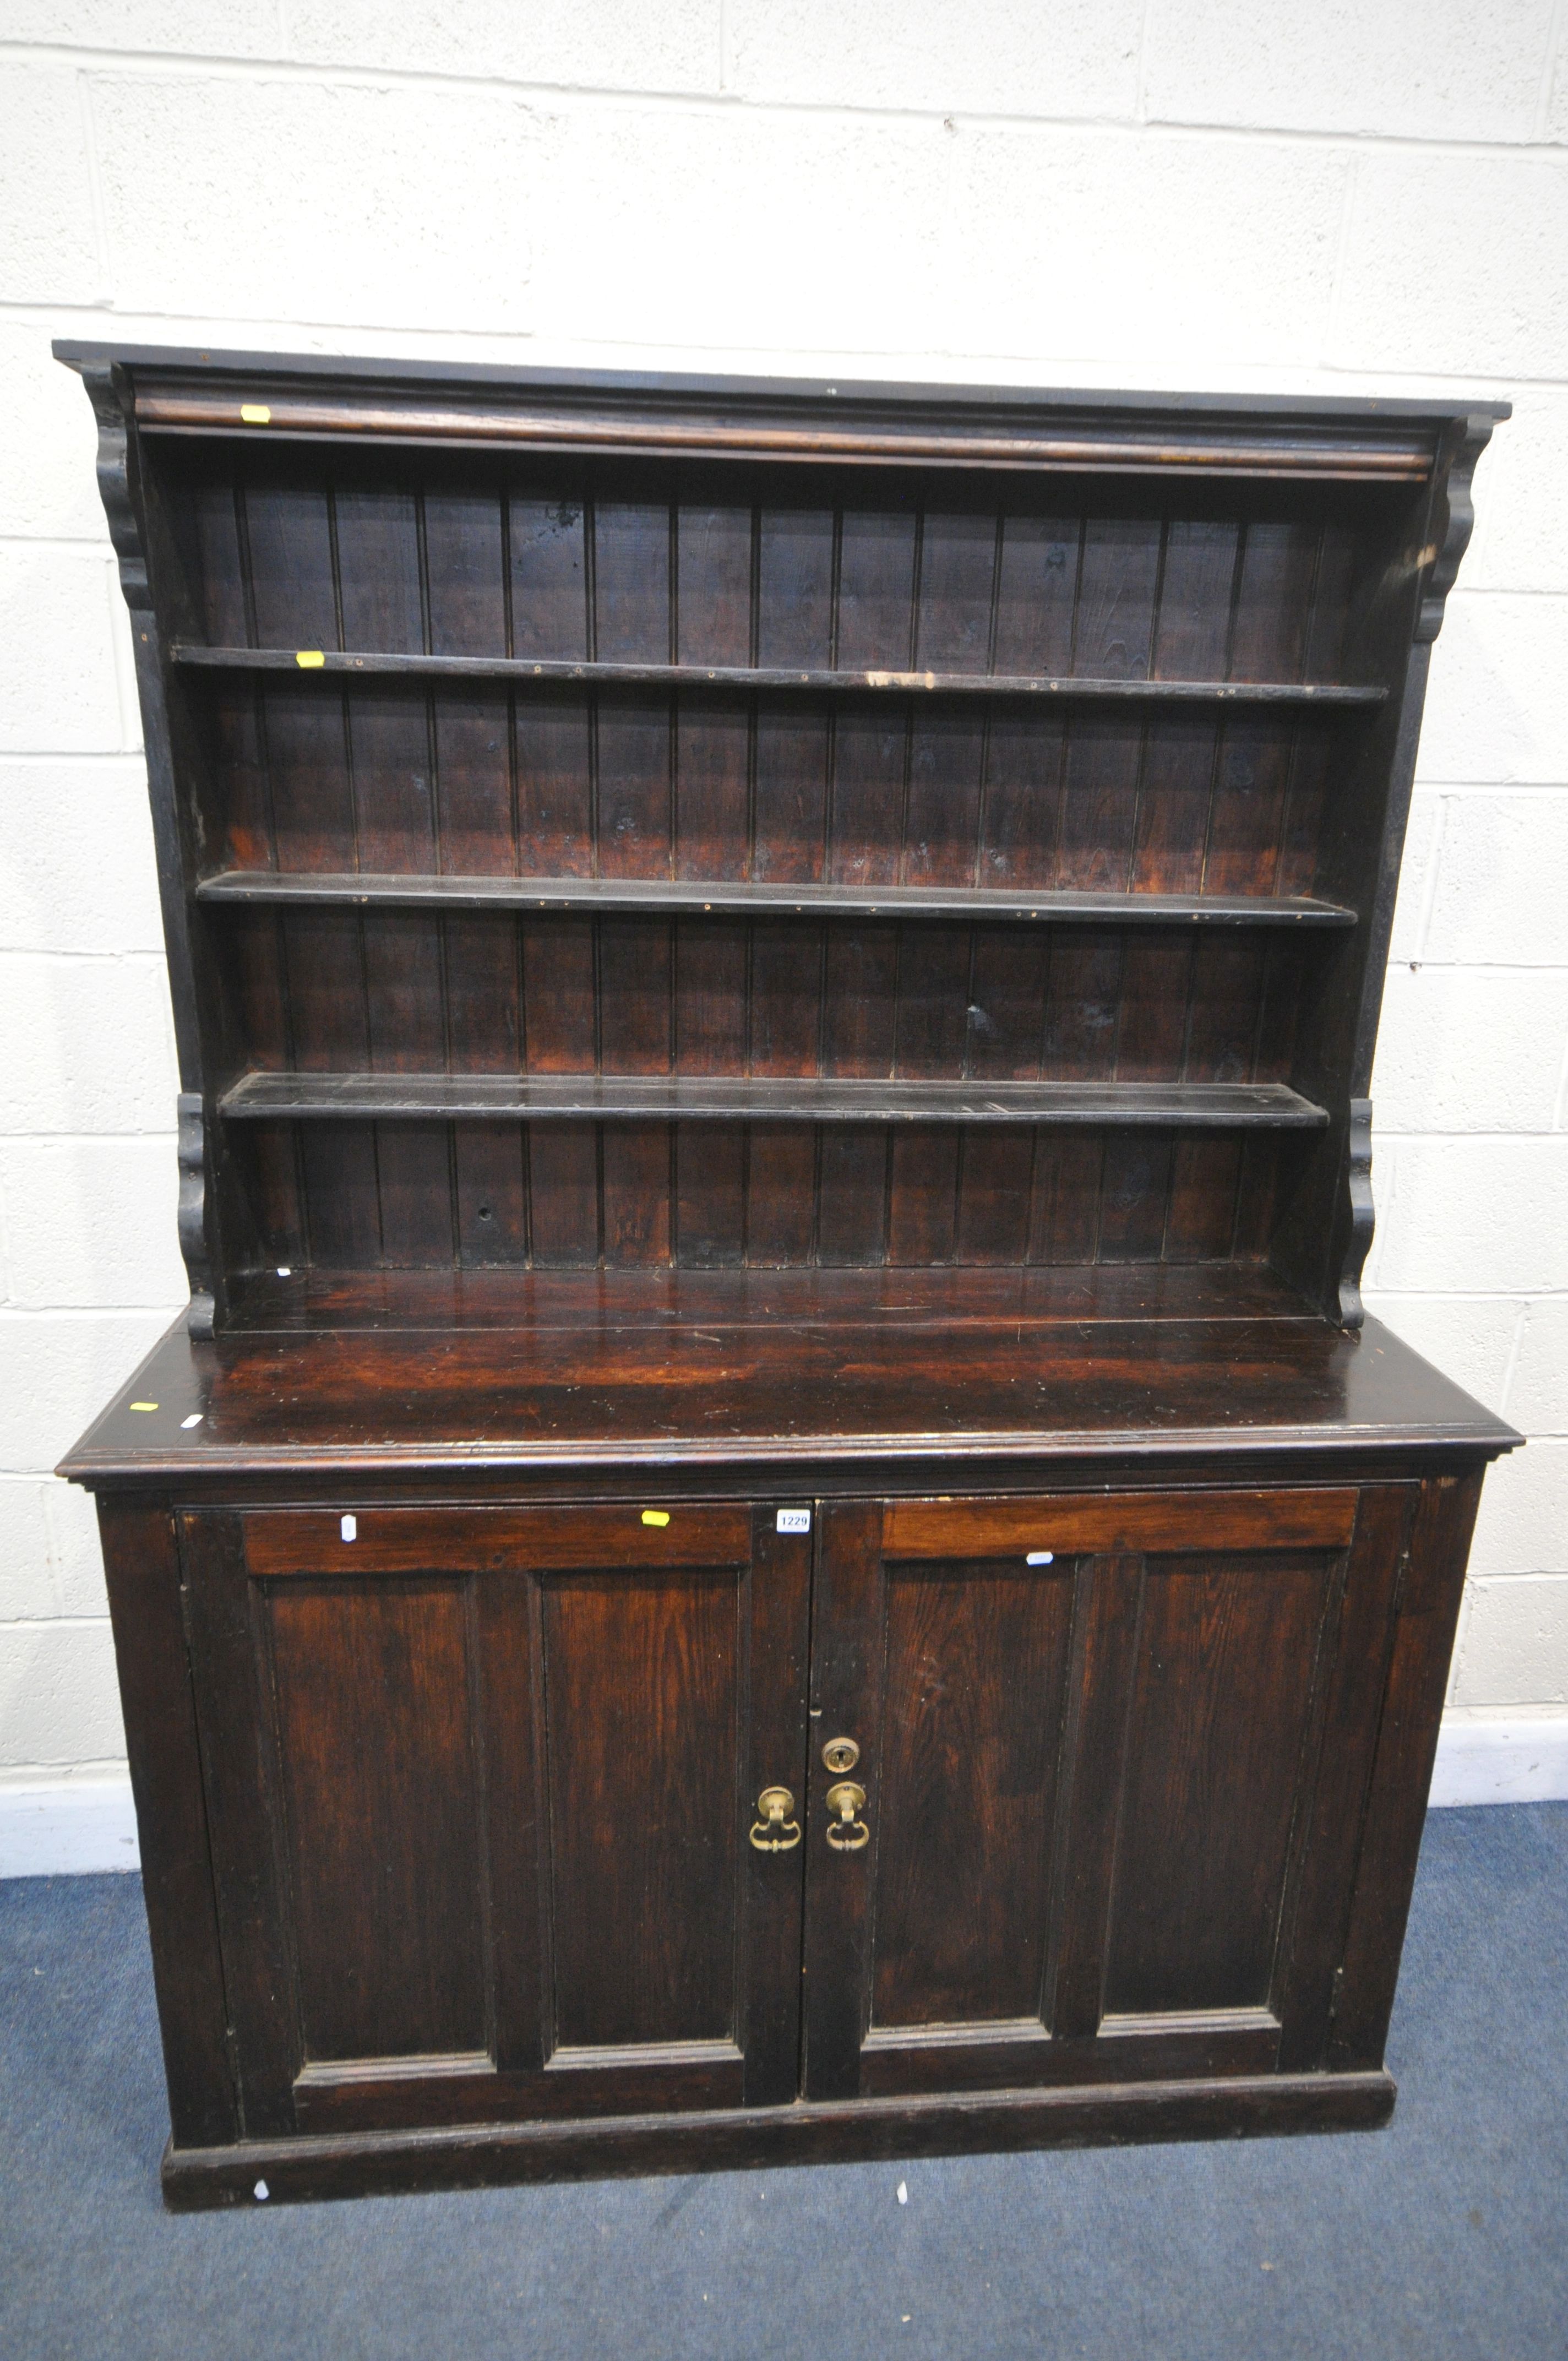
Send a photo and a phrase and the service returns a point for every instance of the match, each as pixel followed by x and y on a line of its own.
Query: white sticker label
pixel 1040 1557
pixel 349 1529
pixel 793 1521
pixel 195 1419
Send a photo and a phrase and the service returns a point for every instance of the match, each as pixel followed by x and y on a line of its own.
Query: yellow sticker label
pixel 144 1405
pixel 310 659
pixel 655 1516
pixel 255 413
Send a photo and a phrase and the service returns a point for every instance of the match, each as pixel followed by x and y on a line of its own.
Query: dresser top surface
pixel 687 1371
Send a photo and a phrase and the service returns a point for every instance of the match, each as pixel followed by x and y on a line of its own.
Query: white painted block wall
pixel 1343 196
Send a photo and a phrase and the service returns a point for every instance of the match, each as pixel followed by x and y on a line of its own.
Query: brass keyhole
pixel 841 1754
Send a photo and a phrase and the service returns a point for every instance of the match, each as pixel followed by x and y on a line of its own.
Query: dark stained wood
pixel 888 679
pixel 775 989
pixel 1226 1107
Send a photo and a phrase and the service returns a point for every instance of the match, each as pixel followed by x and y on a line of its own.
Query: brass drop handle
pixel 847 1833
pixel 776 1830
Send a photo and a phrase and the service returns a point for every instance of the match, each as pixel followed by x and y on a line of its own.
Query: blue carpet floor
pixel 1446 2235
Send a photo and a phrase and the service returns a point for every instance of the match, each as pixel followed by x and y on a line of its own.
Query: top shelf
pixel 368 664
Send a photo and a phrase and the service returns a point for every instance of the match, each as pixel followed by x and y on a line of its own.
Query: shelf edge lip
pixel 337 1460
pixel 368 663
pixel 262 1096
pixel 729 896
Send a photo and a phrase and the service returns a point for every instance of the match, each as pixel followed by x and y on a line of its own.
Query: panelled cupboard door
pixel 1112 1750
pixel 482 1785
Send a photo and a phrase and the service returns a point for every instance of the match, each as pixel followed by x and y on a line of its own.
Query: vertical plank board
pixel 1082 999
pixel 1026 759
pixel 466 572
pixel 1135 1184
pixel 634 1159
pixel 394 796
pixel 933 1001
pixel 325 971
pixel 1205 1173
pixel 791 792
pixel 795 598
pixel 777 1592
pixel 1036 592
pixel 1247 818
pixel 870 760
pixel 483 1010
pixel 490 1194
pixel 553 740
pixel 846 1688
pixel 922 1194
pixel 635 998
pixel 995 1178
pixel 957 582
pixel 549 579
pixel 1274 599
pixel 307 765
pixel 632 583
pixel 1332 602
pixel 289 535
pixel 560 1030
pixel 508 1682
pixel 876 590
pixel 413 1174
pixel 564 1196
pixel 947 760
pixel 1118 578
pixel 1157 968
pixel 785 1011
pixel 379 571
pixel 713 751
pixel 343 1205
pixel 710 968
pixel 474 786
pixel 635 806
pixel 1313 765
pixel 403 992
pixel 1007 1006
pixel 1193 632
pixel 1064 1213
pixel 238 810
pixel 1100 800
pixel 851 1191
pixel 860 1025
pixel 711 1196
pixel 218 563
pixel 780 1189
pixel 1174 801
pixel 713 572
pixel 1227 977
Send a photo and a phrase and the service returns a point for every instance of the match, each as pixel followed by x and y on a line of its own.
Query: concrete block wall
pixel 1351 195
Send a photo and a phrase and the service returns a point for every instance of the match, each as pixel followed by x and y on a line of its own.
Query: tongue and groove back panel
pixel 365 839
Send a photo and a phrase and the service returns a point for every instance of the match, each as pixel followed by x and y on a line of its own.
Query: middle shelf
pixel 689 896
pixel 703 1098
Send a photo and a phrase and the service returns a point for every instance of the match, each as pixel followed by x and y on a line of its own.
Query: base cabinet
pixel 1080 1795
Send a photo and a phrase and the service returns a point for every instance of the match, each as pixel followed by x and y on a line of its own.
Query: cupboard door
pixel 1112 1750
pixel 482 1785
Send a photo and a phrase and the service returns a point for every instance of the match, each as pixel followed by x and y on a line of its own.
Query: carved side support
pixel 193 1212
pixel 1363 1212
pixel 1453 518
pixel 124 506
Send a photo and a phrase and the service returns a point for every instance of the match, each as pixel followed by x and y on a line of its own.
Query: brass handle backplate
pixel 847 1833
pixel 776 1830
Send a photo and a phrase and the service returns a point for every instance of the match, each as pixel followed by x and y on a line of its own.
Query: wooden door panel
pixel 1112 1792
pixel 375 1724
pixel 1221 1697
pixel 967 1790
pixel 481 1783
pixel 642 1678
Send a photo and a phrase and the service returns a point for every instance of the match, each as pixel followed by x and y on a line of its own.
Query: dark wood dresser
pixel 776 1532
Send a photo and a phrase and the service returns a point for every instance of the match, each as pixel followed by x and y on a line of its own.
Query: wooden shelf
pixel 329 663
pixel 691 1098
pixel 686 897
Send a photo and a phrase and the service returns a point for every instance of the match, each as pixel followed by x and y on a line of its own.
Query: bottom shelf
pixel 298 1302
